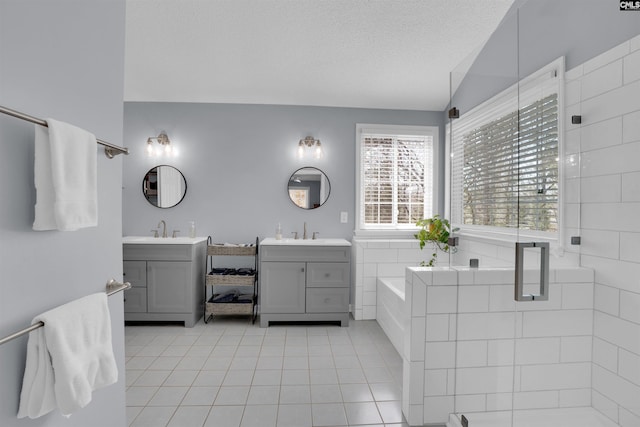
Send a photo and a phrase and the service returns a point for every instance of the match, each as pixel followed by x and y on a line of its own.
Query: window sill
pixel 384 234
pixel 495 235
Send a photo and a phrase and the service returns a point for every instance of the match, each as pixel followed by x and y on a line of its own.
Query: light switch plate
pixel 344 217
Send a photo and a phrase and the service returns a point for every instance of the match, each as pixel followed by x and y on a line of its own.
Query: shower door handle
pixel 544 271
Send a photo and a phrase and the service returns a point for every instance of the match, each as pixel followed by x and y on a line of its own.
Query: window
pixel 395 176
pixel 505 169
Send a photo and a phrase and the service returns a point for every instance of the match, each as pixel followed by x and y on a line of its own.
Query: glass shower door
pixel 484 197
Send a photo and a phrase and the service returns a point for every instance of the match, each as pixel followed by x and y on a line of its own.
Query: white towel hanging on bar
pixel 65 175
pixel 68 358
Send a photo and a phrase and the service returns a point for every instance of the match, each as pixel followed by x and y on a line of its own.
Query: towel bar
pixel 110 150
pixel 112 288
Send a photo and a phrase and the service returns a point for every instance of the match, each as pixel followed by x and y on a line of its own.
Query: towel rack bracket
pixel 110 150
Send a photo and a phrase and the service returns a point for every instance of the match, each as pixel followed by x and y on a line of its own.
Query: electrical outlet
pixel 344 217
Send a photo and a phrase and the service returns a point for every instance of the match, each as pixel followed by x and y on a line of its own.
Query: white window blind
pixel 505 161
pixel 396 180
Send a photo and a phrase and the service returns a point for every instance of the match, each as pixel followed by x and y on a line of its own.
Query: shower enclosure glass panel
pixel 513 189
pixel 483 195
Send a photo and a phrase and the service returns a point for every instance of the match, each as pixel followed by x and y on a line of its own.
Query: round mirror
pixel 164 186
pixel 309 188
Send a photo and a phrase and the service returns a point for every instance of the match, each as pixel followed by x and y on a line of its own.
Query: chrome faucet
pixel 164 228
pixel 304 234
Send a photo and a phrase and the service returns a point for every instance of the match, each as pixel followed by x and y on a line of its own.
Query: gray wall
pixel 62 59
pixel 536 34
pixel 237 160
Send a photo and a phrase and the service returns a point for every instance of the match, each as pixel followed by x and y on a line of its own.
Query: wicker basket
pixel 229 308
pixel 231 250
pixel 220 279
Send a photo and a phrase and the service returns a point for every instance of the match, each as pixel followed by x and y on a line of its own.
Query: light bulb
pixel 301 149
pixel 149 147
pixel 318 151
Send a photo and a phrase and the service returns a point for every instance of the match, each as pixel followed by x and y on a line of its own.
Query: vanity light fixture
pixel 310 142
pixel 164 142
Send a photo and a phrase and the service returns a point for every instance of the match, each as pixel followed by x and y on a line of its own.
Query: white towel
pixel 68 358
pixel 65 175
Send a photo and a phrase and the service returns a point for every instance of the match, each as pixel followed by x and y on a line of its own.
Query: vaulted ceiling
pixel 392 54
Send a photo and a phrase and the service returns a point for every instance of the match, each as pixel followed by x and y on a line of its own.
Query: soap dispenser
pixel 192 229
pixel 278 232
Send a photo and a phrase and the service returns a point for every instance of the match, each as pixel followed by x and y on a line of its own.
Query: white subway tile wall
pixel 609 101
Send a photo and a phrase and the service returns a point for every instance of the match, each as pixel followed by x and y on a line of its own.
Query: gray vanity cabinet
pixel 308 283
pixel 166 282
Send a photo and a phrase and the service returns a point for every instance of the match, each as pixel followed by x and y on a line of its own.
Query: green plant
pixel 436 230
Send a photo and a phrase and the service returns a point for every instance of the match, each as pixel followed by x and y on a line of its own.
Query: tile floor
pixel 230 373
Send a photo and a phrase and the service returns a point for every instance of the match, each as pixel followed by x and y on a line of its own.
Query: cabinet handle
pixel 327 274
pixel 302 270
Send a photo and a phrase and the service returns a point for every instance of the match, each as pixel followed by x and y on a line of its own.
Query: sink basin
pixel 150 240
pixel 305 242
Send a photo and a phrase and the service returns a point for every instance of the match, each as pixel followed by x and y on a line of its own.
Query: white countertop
pixel 150 240
pixel 270 241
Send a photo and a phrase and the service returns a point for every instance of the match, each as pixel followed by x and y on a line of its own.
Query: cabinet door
pixel 135 300
pixel 135 272
pixel 282 287
pixel 169 287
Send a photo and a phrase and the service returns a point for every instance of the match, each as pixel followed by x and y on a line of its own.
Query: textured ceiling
pixel 393 54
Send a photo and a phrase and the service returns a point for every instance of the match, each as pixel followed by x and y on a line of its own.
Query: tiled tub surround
pixel 390 309
pixel 463 332
pixel 374 258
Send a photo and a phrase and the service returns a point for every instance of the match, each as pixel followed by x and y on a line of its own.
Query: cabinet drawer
pixel 135 300
pixel 328 274
pixel 301 253
pixel 327 300
pixel 135 272
pixel 168 252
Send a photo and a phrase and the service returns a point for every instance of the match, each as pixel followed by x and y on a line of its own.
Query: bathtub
pixel 562 417
pixel 390 309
